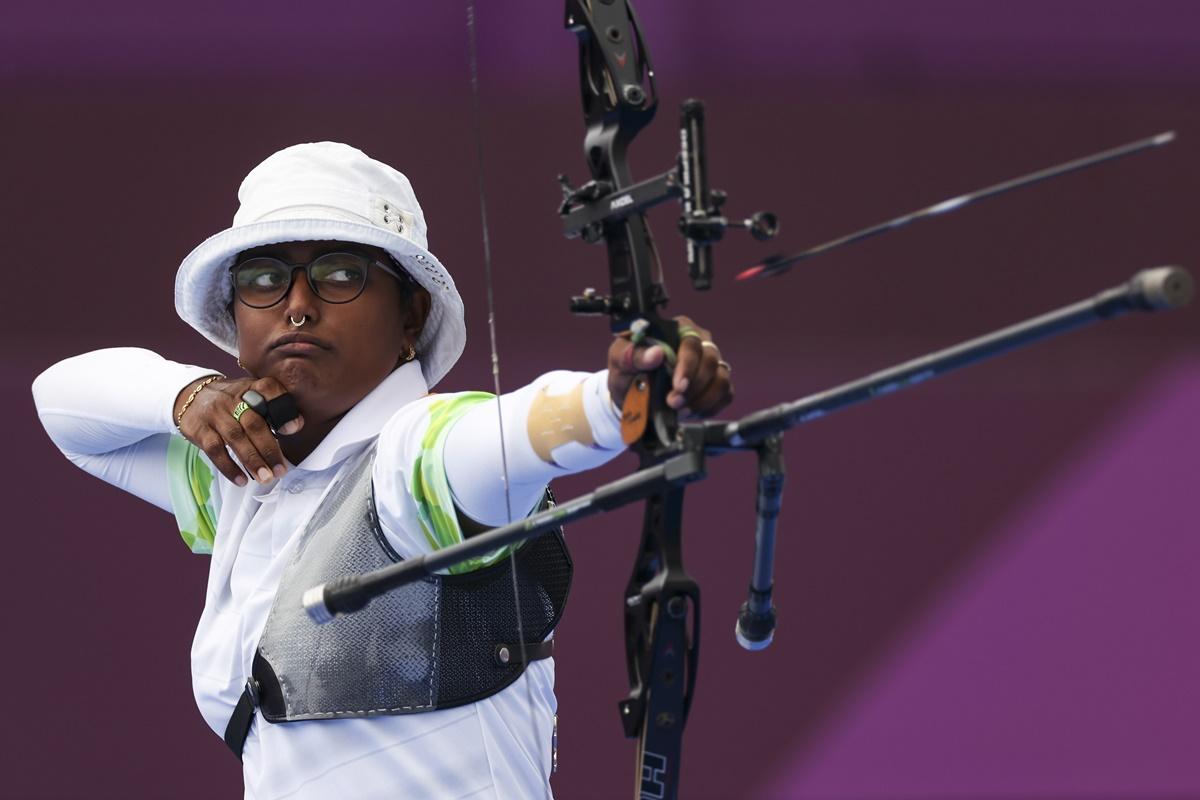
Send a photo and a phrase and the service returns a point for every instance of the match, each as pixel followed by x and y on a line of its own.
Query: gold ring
pixel 240 409
pixel 713 345
pixel 726 365
pixel 687 330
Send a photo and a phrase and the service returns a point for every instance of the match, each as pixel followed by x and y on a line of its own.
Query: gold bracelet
pixel 192 396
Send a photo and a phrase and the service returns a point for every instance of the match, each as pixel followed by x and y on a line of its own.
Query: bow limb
pixel 661 599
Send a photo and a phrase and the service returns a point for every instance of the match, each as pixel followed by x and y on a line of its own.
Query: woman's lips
pixel 298 344
pixel 298 348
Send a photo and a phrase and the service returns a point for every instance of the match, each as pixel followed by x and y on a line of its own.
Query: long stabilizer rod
pixel 1154 289
pixel 1149 290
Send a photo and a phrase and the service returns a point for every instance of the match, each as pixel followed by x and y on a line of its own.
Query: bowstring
pixel 491 307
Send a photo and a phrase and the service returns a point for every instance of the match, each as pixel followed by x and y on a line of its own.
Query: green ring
pixel 668 352
pixel 240 409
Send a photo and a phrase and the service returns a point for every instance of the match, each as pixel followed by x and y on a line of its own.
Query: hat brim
pixel 203 291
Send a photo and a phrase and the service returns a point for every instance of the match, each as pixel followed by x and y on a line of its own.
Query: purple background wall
pixel 986 585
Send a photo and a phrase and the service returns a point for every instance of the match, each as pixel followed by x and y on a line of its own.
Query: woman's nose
pixel 301 299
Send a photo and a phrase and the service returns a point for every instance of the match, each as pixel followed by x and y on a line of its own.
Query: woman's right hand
pixel 208 423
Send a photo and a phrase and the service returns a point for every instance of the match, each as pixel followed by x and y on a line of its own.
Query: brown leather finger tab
pixel 635 411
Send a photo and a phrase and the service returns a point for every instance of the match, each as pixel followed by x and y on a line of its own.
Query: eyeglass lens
pixel 335 277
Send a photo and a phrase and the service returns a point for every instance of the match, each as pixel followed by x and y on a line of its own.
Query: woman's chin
pixel 300 376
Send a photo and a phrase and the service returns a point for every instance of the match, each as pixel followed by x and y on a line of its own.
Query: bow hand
pixel 700 379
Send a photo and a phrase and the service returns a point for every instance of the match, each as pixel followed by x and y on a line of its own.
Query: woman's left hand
pixel 700 384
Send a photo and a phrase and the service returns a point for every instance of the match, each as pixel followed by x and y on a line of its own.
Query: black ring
pixel 257 403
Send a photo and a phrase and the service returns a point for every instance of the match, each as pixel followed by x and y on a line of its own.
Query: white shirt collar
pixel 365 420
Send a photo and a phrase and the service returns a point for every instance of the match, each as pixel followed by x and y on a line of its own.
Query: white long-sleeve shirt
pixel 110 412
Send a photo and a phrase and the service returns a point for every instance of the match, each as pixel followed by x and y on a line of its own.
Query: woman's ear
pixel 419 303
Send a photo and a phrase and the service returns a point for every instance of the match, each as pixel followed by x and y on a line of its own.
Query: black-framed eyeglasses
pixel 338 277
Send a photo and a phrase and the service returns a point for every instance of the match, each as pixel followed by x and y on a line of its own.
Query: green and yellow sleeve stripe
pixel 431 490
pixel 190 479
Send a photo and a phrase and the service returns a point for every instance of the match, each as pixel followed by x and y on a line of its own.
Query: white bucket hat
pixel 323 191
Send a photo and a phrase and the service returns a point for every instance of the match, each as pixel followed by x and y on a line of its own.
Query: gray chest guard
pixel 441 642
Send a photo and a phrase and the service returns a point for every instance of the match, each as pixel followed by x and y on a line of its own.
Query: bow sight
pixel 589 209
pixel 619 99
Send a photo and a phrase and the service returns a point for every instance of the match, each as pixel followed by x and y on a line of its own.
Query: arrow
pixel 778 264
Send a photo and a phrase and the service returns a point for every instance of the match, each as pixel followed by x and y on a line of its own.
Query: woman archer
pixel 332 455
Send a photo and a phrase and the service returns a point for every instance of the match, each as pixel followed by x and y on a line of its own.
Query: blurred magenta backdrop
pixel 987 585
